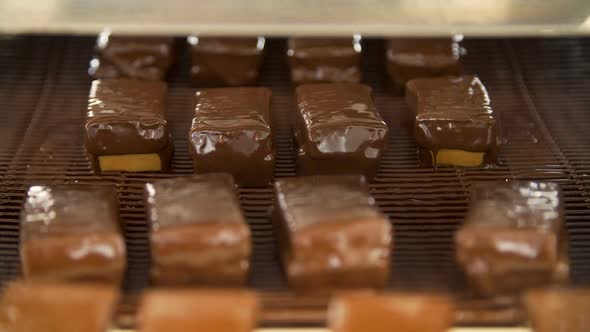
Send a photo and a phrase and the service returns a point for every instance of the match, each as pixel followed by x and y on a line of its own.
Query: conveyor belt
pixel 539 89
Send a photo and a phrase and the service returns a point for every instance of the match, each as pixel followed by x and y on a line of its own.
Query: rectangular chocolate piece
pixel 72 233
pixel 198 232
pixel 399 312
pixel 338 130
pixel 331 233
pixel 231 133
pixel 409 58
pixel 126 129
pixel 511 237
pixel 41 307
pixel 558 310
pixel 454 122
pixel 325 59
pixel 143 58
pixel 198 310
pixel 225 61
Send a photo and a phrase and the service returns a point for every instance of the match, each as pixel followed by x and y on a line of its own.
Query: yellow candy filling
pixel 131 162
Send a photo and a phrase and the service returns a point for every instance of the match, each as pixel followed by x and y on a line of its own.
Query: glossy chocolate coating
pixel 198 231
pixel 452 113
pixel 127 117
pixel 35 307
pixel 400 312
pixel 198 310
pixel 71 232
pixel 144 58
pixel 338 130
pixel 558 310
pixel 226 61
pixel 409 58
pixel 231 133
pixel 325 60
pixel 331 233
pixel 511 237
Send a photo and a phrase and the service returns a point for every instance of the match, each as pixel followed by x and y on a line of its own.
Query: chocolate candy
pixel 198 310
pixel 144 58
pixel 558 310
pixel 338 130
pixel 227 61
pixel 231 133
pixel 325 59
pixel 511 237
pixel 454 123
pixel 409 58
pixel 35 307
pixel 198 232
pixel 331 233
pixel 398 312
pixel 71 233
pixel 125 126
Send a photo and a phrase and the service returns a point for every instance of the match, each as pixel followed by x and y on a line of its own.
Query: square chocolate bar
pixel 198 310
pixel 72 233
pixel 126 129
pixel 36 307
pixel 198 231
pixel 409 58
pixel 554 309
pixel 454 123
pixel 226 61
pixel 231 133
pixel 400 312
pixel 511 237
pixel 338 130
pixel 331 60
pixel 144 58
pixel 331 233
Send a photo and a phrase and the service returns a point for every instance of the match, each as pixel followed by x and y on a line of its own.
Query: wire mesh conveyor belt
pixel 539 89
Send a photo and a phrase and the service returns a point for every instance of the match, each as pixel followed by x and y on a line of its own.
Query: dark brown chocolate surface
pixel 198 310
pixel 325 60
pixel 144 58
pixel 225 61
pixel 35 307
pixel 331 233
pixel 71 233
pixel 511 237
pixel 453 113
pixel 127 117
pixel 198 231
pixel 558 310
pixel 231 133
pixel 338 130
pixel 539 91
pixel 404 312
pixel 409 58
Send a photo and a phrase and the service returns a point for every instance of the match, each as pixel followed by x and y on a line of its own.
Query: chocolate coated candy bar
pixel 511 237
pixel 398 312
pixel 325 59
pixel 409 58
pixel 41 307
pixel 454 121
pixel 231 133
pixel 225 61
pixel 125 126
pixel 563 310
pixel 198 310
pixel 71 233
pixel 198 231
pixel 331 233
pixel 144 58
pixel 338 130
